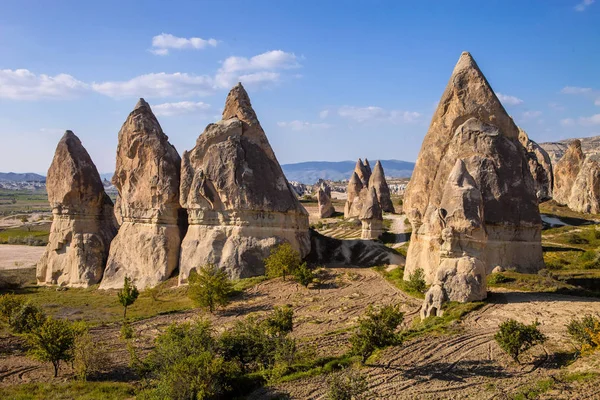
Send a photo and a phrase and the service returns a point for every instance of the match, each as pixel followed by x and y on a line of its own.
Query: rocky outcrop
pixel 363 171
pixel 356 196
pixel 146 249
pixel 540 166
pixel 471 125
pixel 238 200
pixel 585 194
pixel 83 222
pixel 556 150
pixel 326 209
pixel 371 216
pixel 566 172
pixel 378 182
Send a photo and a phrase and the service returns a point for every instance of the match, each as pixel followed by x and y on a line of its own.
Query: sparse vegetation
pixel 304 275
pixel 348 384
pixel 497 278
pixel 282 261
pixel 210 287
pixel 376 329
pixel 127 295
pixel 585 332
pixel 89 356
pixel 415 286
pixel 515 338
pixel 53 341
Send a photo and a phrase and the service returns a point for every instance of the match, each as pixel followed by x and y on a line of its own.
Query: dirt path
pixel 17 256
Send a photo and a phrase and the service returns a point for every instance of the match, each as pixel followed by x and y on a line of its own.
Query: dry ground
pixel 18 256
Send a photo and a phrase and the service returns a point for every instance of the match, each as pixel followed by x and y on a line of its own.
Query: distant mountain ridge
pixel 311 171
pixel 24 177
pixel 589 145
pixel 307 172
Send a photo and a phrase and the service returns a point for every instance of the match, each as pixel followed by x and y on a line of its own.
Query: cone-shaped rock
pixel 238 200
pixel 146 249
pixel 371 216
pixel 355 188
pixel 83 222
pixel 326 209
pixel 363 170
pixel 566 171
pixel 540 167
pixel 471 124
pixel 585 194
pixel 378 182
pixel 368 168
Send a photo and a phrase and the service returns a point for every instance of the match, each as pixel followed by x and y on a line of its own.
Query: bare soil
pixel 18 256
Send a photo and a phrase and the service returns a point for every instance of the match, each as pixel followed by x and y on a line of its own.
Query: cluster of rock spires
pixel 368 197
pixel 472 200
pixel 577 180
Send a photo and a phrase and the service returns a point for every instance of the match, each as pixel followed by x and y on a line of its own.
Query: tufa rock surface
pixel 239 202
pixel 585 194
pixel 471 125
pixel 83 222
pixel 146 249
pixel 354 201
pixel 540 166
pixel 326 208
pixel 566 172
pixel 378 182
pixel 371 216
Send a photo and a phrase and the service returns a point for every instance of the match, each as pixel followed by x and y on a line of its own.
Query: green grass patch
pixel 67 391
pixel 36 235
pixel 584 283
pixel 534 391
pixel 396 277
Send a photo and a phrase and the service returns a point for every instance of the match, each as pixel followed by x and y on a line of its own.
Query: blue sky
pixel 328 80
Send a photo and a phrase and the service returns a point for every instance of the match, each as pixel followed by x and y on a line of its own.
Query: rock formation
pixel 371 216
pixel 238 200
pixel 326 209
pixel 146 249
pixel 566 171
pixel 356 196
pixel 363 170
pixel 83 222
pixel 585 194
pixel 378 182
pixel 471 125
pixel 540 167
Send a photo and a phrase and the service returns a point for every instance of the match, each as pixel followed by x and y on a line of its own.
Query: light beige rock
pixel 540 167
pixel 566 172
pixel 371 216
pixel 354 201
pixel 585 194
pixel 326 208
pixel 378 182
pixel 146 249
pixel 238 200
pixel 471 125
pixel 363 170
pixel 83 222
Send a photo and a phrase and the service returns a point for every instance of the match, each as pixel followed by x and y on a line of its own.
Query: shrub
pixel 347 385
pixel 53 341
pixel 26 319
pixel 575 238
pixel 89 356
pixel 304 275
pixel 127 295
pixel 282 261
pixel 9 304
pixel 375 330
pixel 281 321
pixel 249 343
pixel 209 287
pixel 515 337
pixel 126 330
pixel 416 282
pixel 583 330
pixel 498 277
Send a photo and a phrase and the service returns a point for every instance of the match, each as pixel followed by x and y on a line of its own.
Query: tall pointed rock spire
pixel 378 182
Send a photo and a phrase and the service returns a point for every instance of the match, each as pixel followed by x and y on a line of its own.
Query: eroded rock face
pixel 540 167
pixel 326 209
pixel 83 222
pixel 146 249
pixel 238 200
pixel 585 193
pixel 471 125
pixel 378 182
pixel 371 216
pixel 566 172
pixel 356 196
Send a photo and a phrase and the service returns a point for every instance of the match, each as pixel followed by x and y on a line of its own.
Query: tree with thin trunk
pixel 53 341
pixel 209 287
pixel 127 295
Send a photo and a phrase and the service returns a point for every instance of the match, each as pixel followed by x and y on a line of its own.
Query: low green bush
pixel 516 338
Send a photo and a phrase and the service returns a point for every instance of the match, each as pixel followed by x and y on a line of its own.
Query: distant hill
pixel 311 171
pixel 25 177
pixel 589 145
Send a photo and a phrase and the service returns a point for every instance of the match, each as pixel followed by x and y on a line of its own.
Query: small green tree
pixel 127 295
pixel 282 261
pixel 583 330
pixel 304 275
pixel 516 338
pixel 281 321
pixel 27 318
pixel 89 356
pixel 53 341
pixel 347 385
pixel 9 305
pixel 416 282
pixel 375 330
pixel 209 287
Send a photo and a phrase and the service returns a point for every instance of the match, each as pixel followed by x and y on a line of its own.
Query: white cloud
pixel 593 120
pixel 323 114
pixel 259 69
pixel 158 85
pixel 532 114
pixel 556 106
pixel 583 5
pixel 372 113
pixel 510 100
pixel 165 41
pixel 567 122
pixel 180 108
pixel 297 125
pixel 22 84
pixel 575 90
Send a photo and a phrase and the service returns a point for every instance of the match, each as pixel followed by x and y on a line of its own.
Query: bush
pixel 53 341
pixel 281 321
pixel 416 282
pixel 575 238
pixel 26 319
pixel 347 385
pixel 209 287
pixel 282 261
pixel 515 338
pixel 89 356
pixel 127 330
pixel 304 275
pixel 584 330
pixel 498 277
pixel 9 304
pixel 375 330
pixel 127 295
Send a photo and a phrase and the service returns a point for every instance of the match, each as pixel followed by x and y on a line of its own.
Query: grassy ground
pixel 67 391
pixel 396 277
pixel 36 235
pixel 23 201
pixel 551 208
